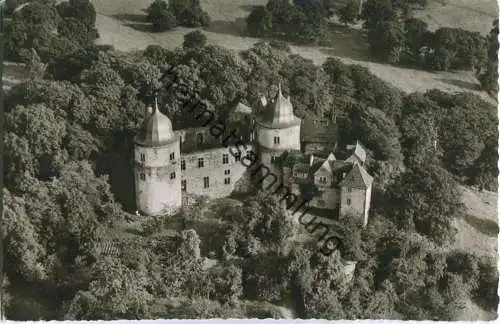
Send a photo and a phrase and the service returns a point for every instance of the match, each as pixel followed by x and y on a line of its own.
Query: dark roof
pixel 318 131
pixel 156 130
pixel 357 178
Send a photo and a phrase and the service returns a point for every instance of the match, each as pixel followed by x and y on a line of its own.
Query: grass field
pixel 122 23
pixel 473 15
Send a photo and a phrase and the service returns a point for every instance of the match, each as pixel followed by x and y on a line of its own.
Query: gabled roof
pixel 358 150
pixel 325 166
pixel 279 113
pixel 357 178
pixel 156 130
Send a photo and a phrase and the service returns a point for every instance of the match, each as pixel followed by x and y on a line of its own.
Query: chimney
pixel 311 160
pixel 150 110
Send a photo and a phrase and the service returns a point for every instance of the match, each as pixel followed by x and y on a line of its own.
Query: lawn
pixel 122 23
pixel 476 15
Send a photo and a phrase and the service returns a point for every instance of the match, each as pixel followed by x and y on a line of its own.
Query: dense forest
pixel 73 250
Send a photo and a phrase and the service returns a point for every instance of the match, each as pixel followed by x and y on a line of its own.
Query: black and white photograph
pixel 249 159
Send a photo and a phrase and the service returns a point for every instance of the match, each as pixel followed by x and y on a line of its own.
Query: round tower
pixel 278 130
pixel 157 170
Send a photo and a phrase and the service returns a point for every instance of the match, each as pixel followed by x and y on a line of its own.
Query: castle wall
pixel 216 171
pixel 289 138
pixel 352 204
pixel 157 179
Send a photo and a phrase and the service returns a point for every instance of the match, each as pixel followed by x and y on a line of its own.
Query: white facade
pixel 158 179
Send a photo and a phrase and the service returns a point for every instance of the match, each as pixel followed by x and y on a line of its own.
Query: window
pixel 237 157
pixel 322 179
pixel 143 176
pixel 183 164
pixel 143 157
pixel 206 182
pixel 227 181
pixel 276 140
pixel 172 156
pixel 226 172
pixel 172 175
pixel 225 158
pixel 348 201
pixel 349 189
pixel 183 185
pixel 201 163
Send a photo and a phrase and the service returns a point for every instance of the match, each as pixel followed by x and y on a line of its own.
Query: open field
pixel 478 230
pixel 474 15
pixel 122 23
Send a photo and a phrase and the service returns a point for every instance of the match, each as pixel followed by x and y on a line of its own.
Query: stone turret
pixel 157 171
pixel 278 130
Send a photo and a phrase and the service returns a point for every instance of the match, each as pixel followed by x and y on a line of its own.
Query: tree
pixel 387 40
pixel 189 13
pixel 489 78
pixel 155 8
pixel 77 31
pixel 81 10
pixel 420 140
pixel 425 200
pixel 194 40
pixel 484 172
pixel 349 12
pixel 227 284
pixel 34 137
pixel 164 20
pixel 416 35
pixel 259 22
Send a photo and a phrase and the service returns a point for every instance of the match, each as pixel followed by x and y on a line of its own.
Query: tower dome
pixel 279 113
pixel 156 130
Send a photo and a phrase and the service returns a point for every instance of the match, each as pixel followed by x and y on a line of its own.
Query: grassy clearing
pixel 121 24
pixel 478 230
pixel 474 15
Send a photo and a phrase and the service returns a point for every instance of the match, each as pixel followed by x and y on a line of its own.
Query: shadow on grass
pixel 462 84
pixel 234 28
pixel 142 27
pixel 485 226
pixel 346 42
pixel 130 18
pixel 248 8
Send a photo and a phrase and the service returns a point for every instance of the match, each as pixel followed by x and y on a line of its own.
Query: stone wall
pixel 217 172
pixel 352 203
pixel 289 138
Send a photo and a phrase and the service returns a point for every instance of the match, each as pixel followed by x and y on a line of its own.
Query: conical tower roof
pixel 156 130
pixel 279 113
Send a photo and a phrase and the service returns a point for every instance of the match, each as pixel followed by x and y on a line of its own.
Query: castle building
pixel 171 166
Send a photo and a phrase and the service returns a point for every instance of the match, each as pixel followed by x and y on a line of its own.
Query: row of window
pixel 206 180
pixel 171 157
pixel 206 183
pixel 201 161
